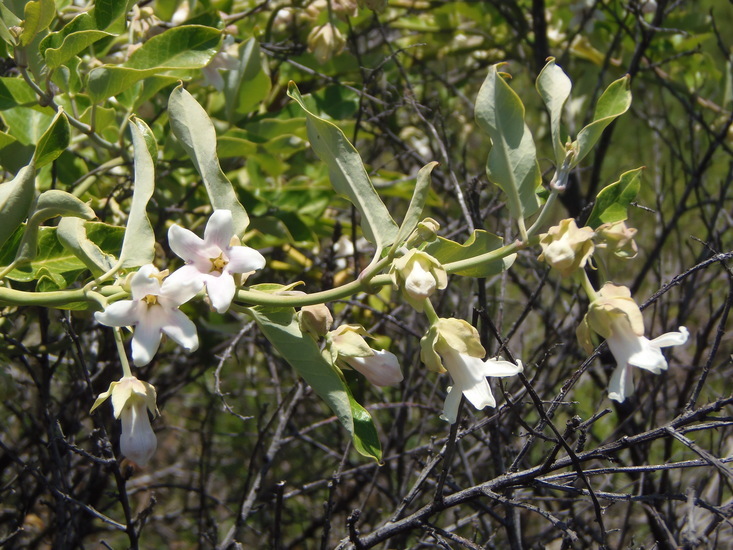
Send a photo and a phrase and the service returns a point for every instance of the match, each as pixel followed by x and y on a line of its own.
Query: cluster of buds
pixel 454 345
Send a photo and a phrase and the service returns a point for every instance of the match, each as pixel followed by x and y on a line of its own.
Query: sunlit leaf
pixel 417 204
pixel 554 86
pixel 37 17
pixel 54 141
pixel 72 233
pixel 16 197
pixel 613 201
pixel 248 84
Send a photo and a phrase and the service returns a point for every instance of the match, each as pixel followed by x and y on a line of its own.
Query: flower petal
pixel 143 282
pixel 672 338
pixel 452 402
pixel 621 384
pixel 146 340
pixel 120 314
pixel 479 394
pixel 219 229
pixel 499 368
pixel 243 259
pixel 182 285
pixel 181 329
pixel 186 244
pixel 137 440
pixel 221 291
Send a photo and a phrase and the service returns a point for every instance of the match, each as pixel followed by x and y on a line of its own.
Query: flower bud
pixel 418 275
pixel 426 231
pixel 325 41
pixel 618 238
pixel 131 401
pixel 315 320
pixel 381 369
pixel 349 349
pixel 566 247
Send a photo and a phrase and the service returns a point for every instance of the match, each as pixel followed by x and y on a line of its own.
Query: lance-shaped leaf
pixel 512 163
pixel 49 204
pixel 193 128
pixel 280 326
pixel 54 140
pixel 613 201
pixel 248 84
pixel 614 102
pixel 348 175
pixel 184 47
pixel 72 233
pixel 16 197
pixel 554 87
pixel 138 247
pixel 480 242
pixel 417 204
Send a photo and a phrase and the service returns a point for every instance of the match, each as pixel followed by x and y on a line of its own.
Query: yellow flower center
pixel 150 299
pixel 218 263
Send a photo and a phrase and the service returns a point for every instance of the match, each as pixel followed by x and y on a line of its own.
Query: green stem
pixel 544 213
pixel 126 370
pixel 587 286
pixel 430 312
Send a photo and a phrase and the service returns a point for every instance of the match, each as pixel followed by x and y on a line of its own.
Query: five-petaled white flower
pixel 153 310
pixel 131 401
pixel 616 316
pixel 454 345
pixel 213 260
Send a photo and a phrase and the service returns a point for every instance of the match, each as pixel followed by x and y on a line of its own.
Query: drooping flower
pixel 617 238
pixel 566 247
pixel 131 401
pixel 213 260
pixel 325 41
pixel 348 348
pixel 153 310
pixel 615 316
pixel 418 275
pixel 454 345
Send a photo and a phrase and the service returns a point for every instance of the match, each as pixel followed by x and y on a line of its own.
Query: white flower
pixel 631 350
pixel 418 275
pixel 131 401
pixel 153 310
pixel 211 261
pixel 469 378
pixel 381 369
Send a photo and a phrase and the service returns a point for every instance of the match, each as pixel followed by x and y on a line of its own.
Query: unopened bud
pixel 325 41
pixel 566 247
pixel 315 320
pixel 618 238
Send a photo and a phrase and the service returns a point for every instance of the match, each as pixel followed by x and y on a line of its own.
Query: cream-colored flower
pixel 325 41
pixel 418 275
pixel 454 345
pixel 349 349
pixel 616 316
pixel 617 238
pixel 566 247
pixel 131 401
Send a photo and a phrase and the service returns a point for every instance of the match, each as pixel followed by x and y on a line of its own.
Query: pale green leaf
pixel 16 197
pixel 280 326
pixel 554 87
pixel 193 128
pixel 49 204
pixel 512 162
pixel 54 140
pixel 348 175
pixel 614 102
pixel 38 16
pixel 613 201
pixel 72 233
pixel 138 247
pixel 480 242
pixel 247 85
pixel 15 92
pixel 417 204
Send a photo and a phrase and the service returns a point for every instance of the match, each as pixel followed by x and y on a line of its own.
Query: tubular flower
pixel 418 274
pixel 213 260
pixel 131 401
pixel 566 247
pixel 615 316
pixel 153 310
pixel 454 345
pixel 348 348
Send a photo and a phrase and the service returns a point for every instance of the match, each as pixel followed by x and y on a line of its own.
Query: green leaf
pixel 15 92
pixel 54 140
pixel 247 85
pixel 614 102
pixel 193 128
pixel 72 44
pixel 447 251
pixel 417 204
pixel 138 247
pixel 38 16
pixel 613 201
pixel 554 87
pixel 281 328
pixel 179 48
pixel 72 234
pixel 49 204
pixel 16 197
pixel 348 175
pixel 512 162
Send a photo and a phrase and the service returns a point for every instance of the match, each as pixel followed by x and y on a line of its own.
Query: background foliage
pixel 247 454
